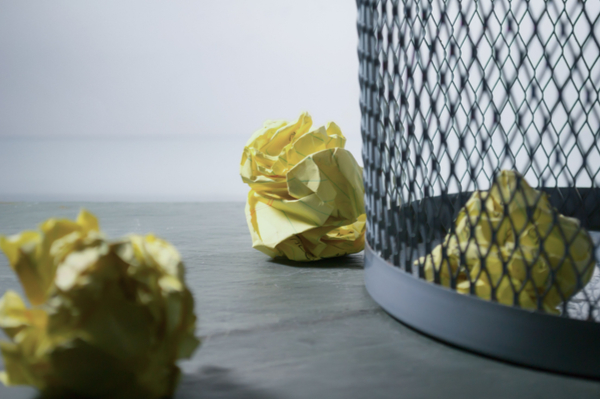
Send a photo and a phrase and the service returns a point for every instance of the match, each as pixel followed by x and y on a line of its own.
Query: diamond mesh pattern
pixel 452 92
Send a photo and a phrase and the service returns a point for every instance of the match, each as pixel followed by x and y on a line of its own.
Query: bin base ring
pixel 524 337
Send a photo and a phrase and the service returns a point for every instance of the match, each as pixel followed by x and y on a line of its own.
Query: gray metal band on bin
pixel 528 338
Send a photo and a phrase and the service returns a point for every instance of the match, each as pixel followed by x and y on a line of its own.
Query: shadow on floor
pixel 216 382
pixel 208 382
pixel 341 262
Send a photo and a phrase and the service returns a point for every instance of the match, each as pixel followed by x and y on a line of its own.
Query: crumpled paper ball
pixel 530 267
pixel 108 319
pixel 306 198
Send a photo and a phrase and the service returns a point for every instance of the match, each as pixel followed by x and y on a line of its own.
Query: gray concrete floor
pixel 275 329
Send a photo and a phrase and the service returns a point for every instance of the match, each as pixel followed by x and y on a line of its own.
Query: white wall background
pixel 148 100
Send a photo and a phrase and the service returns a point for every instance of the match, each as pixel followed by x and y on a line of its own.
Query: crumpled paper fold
pixel 524 256
pixel 108 319
pixel 306 198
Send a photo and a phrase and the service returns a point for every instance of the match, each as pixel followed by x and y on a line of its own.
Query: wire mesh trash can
pixel 480 125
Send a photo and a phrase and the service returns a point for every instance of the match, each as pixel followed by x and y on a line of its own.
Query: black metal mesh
pixel 453 92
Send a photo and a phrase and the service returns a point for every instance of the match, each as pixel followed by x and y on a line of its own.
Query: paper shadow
pixel 216 382
pixel 354 261
pixel 207 383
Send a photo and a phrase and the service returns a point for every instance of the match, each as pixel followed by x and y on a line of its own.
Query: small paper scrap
pixel 108 319
pixel 306 191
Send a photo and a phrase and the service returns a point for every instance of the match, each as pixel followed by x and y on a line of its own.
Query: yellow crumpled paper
pixel 529 266
pixel 108 319
pixel 306 198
